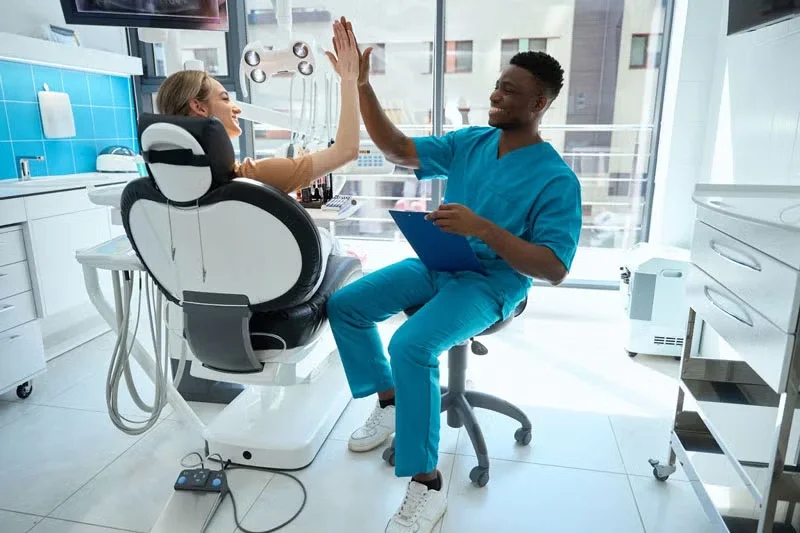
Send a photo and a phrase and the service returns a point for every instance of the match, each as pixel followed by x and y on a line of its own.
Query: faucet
pixel 25 166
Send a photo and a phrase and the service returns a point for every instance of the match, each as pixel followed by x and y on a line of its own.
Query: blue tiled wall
pixel 102 106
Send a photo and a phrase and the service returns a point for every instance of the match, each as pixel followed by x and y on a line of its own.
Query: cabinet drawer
pixel 17 310
pixel 58 203
pixel 766 284
pixel 21 354
pixel 12 211
pixel 14 279
pixel 12 247
pixel 754 338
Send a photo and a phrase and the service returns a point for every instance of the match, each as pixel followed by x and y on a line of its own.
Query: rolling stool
pixel 458 401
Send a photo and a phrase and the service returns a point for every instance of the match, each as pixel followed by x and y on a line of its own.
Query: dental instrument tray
pixel 437 249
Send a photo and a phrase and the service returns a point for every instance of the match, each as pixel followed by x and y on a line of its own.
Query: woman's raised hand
pixel 346 60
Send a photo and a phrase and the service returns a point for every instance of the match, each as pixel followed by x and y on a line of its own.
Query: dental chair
pixel 458 402
pixel 242 268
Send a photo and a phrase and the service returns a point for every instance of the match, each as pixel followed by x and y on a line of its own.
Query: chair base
pixel 459 402
pixel 281 427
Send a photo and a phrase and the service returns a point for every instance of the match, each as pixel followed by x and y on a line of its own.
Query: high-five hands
pixel 347 59
pixel 363 70
pixel 458 219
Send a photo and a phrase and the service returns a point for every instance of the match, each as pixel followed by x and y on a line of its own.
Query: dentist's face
pixel 220 105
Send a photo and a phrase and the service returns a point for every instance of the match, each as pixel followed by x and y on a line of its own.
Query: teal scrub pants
pixel 456 308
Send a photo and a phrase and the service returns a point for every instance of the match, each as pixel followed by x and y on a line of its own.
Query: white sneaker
pixel 375 431
pixel 421 510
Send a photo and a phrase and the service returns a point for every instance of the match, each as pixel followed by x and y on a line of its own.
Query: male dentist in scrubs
pixel 519 205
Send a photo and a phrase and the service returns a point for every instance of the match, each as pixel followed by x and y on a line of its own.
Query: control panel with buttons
pixel 202 480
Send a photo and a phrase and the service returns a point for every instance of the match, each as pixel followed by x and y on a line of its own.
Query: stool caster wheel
pixel 632 354
pixel 523 436
pixel 24 390
pixel 388 456
pixel 479 476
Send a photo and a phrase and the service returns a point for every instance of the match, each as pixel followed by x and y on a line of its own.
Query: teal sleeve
pixel 435 155
pixel 557 217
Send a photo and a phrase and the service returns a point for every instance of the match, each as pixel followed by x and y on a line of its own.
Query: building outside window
pixel 511 47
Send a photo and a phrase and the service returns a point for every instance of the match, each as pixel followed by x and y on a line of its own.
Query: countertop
pixel 773 205
pixel 12 188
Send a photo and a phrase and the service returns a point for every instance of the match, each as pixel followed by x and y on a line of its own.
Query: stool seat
pixel 458 402
pixel 494 328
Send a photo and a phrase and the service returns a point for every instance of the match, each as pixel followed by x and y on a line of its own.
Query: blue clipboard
pixel 437 249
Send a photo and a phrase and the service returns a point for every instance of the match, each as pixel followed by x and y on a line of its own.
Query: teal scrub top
pixel 530 192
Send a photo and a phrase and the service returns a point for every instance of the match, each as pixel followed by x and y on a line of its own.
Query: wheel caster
pixel 479 476
pixel 661 472
pixel 632 354
pixel 677 357
pixel 25 390
pixel 523 436
pixel 388 456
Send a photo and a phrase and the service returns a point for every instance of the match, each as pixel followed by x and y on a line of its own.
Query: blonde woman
pixel 195 93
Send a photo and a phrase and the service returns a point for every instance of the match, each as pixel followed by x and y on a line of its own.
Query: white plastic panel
pixel 229 247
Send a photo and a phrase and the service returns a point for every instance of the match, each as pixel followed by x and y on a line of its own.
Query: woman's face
pixel 220 105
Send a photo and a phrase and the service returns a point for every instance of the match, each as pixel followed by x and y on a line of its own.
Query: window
pixel 511 47
pixel 377 60
pixel 209 57
pixel 459 57
pixel 207 46
pixel 645 50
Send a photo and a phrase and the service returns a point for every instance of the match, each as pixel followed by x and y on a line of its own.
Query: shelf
pixel 15 47
pixel 685 441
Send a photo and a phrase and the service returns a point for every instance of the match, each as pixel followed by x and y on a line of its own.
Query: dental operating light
pixel 259 63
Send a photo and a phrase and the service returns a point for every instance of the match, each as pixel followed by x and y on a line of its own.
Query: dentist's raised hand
pixel 346 60
pixel 363 66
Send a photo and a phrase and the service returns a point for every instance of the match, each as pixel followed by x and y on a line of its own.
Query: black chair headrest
pixel 186 156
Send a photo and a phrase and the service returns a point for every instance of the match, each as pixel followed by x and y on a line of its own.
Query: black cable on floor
pixel 229 466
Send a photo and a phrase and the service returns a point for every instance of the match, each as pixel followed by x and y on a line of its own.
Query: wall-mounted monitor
pixel 177 14
pixel 748 15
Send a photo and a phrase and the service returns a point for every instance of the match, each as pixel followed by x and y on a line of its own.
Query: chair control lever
pixel 478 348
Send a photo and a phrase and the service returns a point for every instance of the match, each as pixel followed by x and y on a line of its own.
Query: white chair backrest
pixel 198 232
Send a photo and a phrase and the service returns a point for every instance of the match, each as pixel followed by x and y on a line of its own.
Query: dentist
pixel 519 205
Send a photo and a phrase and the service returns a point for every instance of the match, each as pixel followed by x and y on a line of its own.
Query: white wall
pixel 755 137
pixel 731 112
pixel 28 17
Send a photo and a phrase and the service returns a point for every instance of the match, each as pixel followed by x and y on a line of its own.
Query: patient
pixel 195 93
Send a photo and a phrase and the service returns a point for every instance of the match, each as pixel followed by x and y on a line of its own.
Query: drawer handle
pixel 12 338
pixel 747 321
pixel 6 308
pixel 720 251
pixel 3 275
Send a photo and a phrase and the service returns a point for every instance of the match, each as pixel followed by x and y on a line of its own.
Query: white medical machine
pixel 653 292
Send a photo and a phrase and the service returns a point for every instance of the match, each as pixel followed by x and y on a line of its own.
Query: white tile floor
pixel 598 416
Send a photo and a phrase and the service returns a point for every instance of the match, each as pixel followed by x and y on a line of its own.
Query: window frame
pixel 504 63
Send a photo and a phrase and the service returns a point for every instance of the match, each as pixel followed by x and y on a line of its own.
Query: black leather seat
pixel 299 325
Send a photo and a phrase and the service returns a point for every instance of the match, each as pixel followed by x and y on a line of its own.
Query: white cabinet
pixel 21 351
pixel 54 241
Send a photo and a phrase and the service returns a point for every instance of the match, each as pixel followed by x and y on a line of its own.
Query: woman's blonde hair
pixel 180 89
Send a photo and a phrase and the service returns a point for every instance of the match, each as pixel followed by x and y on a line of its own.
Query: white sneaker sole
pixel 366 446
